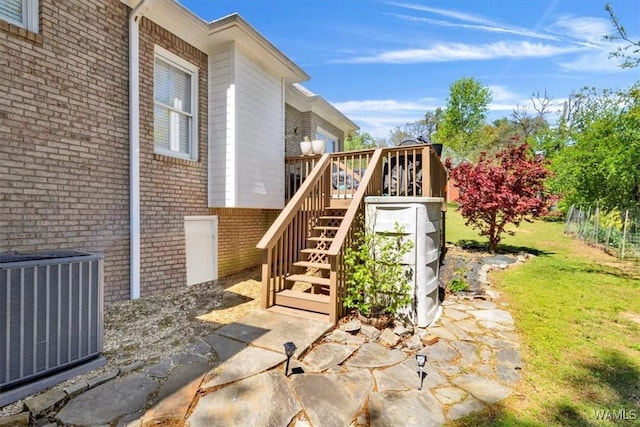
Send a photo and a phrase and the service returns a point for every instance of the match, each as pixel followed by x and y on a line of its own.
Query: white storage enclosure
pixel 420 219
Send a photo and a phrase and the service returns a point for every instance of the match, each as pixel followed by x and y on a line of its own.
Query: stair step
pixel 309 279
pixel 329 217
pixel 326 227
pixel 342 204
pixel 309 264
pixel 290 311
pixel 314 251
pixel 320 239
pixel 303 300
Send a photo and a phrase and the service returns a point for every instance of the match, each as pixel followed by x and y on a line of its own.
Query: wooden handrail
pixel 289 211
pixel 359 195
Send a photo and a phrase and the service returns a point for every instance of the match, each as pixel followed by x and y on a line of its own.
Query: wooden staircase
pixel 307 288
pixel 303 264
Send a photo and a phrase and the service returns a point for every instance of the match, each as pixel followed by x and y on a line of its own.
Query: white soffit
pixel 302 99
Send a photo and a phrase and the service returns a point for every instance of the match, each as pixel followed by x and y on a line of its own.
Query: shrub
pixel 458 285
pixel 377 282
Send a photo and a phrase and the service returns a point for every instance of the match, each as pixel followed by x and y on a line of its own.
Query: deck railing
pixel 314 183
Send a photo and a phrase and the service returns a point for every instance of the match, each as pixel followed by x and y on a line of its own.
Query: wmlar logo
pixel 616 414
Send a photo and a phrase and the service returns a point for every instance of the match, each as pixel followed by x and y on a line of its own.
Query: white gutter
pixel 134 148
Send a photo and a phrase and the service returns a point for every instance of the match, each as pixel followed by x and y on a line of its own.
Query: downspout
pixel 134 149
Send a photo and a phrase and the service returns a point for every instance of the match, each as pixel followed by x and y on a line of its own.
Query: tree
pixel 529 125
pixel 630 51
pixel 359 141
pixel 600 165
pixel 412 130
pixel 464 116
pixel 503 190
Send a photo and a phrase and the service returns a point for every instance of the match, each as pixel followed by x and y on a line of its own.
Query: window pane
pixel 180 90
pixel 161 127
pixel 185 130
pixel 162 82
pixel 11 9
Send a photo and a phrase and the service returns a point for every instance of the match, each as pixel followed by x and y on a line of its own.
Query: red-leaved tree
pixel 506 189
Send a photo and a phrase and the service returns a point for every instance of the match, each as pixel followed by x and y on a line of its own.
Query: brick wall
pixel 307 123
pixel 240 230
pixel 64 156
pixel 64 180
pixel 170 188
pixel 293 131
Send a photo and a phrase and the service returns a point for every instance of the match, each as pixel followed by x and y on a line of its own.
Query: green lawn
pixel 574 308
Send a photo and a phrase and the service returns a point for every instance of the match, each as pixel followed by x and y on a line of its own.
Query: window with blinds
pixel 23 13
pixel 175 96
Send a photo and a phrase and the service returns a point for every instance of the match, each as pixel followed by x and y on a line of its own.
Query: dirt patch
pixel 634 317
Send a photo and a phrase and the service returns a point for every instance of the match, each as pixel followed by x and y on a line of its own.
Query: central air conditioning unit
pixel 51 327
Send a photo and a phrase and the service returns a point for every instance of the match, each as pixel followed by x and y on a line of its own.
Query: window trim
pixel 30 16
pixel 191 69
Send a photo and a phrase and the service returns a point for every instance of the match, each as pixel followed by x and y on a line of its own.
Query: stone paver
pixel 271 330
pixel 408 409
pixel 495 315
pixel 455 314
pixel 482 388
pixel 250 361
pixel 225 348
pixel 450 395
pixel 462 409
pixel 176 394
pixel 109 401
pixel 261 400
pixel 44 402
pixel 328 355
pixel 373 355
pixel 332 400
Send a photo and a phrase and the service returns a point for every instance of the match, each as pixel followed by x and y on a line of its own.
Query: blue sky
pixel 385 63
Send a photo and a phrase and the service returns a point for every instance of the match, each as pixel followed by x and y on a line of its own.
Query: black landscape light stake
pixel 421 359
pixel 289 349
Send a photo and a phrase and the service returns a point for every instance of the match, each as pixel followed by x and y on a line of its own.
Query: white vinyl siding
pixel 175 105
pixel 23 13
pixel 221 130
pixel 246 121
pixel 260 107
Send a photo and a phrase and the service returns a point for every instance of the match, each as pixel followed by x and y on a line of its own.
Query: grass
pixel 577 311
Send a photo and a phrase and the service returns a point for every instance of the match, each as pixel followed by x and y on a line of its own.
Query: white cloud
pixel 465 17
pixel 588 29
pixel 379 117
pixel 594 62
pixel 486 28
pixel 502 93
pixel 446 52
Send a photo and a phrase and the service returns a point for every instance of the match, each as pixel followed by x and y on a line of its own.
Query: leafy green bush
pixel 458 285
pixel 377 282
pixel 553 216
